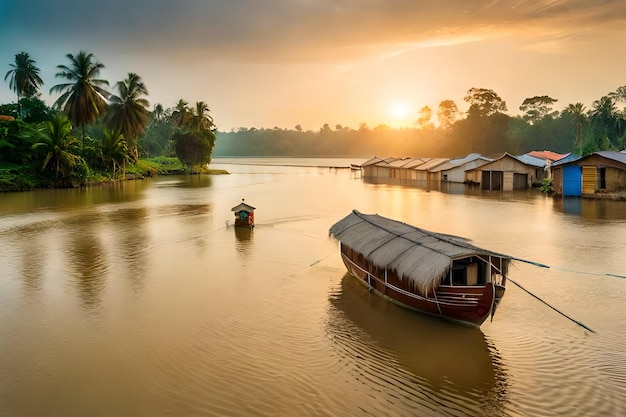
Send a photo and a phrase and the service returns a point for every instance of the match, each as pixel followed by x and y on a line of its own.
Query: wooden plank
pixel 589 179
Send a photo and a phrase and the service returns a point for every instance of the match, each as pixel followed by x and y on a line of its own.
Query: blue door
pixel 572 180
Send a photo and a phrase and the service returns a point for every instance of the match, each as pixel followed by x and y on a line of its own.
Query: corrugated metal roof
pixel 531 160
pixel 552 156
pixel 371 161
pixel 454 163
pixel 567 159
pixel 615 156
pixel 401 162
pixel 418 255
pixel 431 164
pixel 612 155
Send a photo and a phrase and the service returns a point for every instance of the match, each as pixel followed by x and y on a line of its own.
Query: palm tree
pixel 24 78
pixel 201 119
pixel 158 113
pixel 114 151
pixel 83 98
pixel 60 146
pixel 128 112
pixel 578 111
pixel 607 117
pixel 181 113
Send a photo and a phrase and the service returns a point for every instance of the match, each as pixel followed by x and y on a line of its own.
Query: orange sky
pixel 279 63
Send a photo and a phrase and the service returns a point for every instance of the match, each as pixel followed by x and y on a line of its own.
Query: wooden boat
pixel 244 215
pixel 433 273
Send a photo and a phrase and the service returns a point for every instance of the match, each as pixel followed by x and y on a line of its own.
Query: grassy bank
pixel 24 178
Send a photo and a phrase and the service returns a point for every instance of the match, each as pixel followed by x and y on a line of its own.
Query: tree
pixel 23 78
pixel 484 102
pixel 424 119
pixel 536 108
pixel 158 113
pixel 485 111
pixel 447 114
pixel 128 112
pixel 180 114
pixel 200 117
pixel 578 113
pixel 60 147
pixel 114 152
pixel 194 147
pixel 607 121
pixel 83 98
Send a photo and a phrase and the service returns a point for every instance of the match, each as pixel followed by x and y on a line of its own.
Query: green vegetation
pixel 546 185
pixel 120 137
pixel 485 128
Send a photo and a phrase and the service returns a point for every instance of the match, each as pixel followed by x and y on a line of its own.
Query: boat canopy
pixel 415 254
pixel 243 207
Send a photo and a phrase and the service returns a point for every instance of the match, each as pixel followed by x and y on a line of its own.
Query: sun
pixel 399 110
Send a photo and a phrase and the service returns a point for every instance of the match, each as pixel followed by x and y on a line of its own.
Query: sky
pixel 282 63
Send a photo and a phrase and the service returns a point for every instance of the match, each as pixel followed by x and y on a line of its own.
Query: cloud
pixel 292 30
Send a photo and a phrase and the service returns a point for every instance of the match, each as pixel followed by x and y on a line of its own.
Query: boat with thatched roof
pixel 429 272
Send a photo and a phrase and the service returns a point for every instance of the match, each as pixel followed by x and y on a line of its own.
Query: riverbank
pixel 16 178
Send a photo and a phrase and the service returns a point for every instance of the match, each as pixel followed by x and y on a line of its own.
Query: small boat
pixel 429 272
pixel 244 215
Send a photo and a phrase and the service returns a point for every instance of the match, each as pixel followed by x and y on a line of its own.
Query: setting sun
pixel 399 111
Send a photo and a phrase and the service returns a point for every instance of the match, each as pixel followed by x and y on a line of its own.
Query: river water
pixel 137 299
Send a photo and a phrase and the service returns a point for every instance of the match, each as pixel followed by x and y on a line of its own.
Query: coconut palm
pixel 23 78
pixel 578 112
pixel 158 113
pixel 128 112
pixel 114 152
pixel 201 119
pixel 83 98
pixel 61 148
pixel 606 117
pixel 181 114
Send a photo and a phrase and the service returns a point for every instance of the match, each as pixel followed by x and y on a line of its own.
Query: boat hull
pixel 470 305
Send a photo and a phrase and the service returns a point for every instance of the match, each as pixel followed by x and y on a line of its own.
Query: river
pixel 138 299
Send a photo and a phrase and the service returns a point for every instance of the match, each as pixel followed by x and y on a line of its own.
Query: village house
pixel 599 173
pixel 509 173
pixel 454 170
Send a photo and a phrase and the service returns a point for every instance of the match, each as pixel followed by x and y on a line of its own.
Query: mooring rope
pixel 553 308
pixel 568 270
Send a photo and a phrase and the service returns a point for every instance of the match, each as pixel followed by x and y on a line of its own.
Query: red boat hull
pixel 469 305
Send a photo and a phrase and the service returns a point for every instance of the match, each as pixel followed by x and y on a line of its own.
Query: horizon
pixel 309 63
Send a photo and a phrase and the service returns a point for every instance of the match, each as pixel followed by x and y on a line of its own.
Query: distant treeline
pixel 485 128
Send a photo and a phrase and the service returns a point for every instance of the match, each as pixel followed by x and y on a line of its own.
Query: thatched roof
pixel 415 254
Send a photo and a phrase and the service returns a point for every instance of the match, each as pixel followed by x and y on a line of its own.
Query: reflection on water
pixel 244 238
pixel 591 208
pixel 443 358
pixel 88 262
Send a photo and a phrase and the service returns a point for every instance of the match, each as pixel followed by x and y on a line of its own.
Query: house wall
pixel 459 174
pixel 507 181
pixel 557 179
pixel 473 176
pixel 421 175
pixel 615 179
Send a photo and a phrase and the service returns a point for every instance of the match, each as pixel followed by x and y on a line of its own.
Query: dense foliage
pixel 39 145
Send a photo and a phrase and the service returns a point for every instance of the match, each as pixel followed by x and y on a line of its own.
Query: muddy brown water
pixel 138 299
